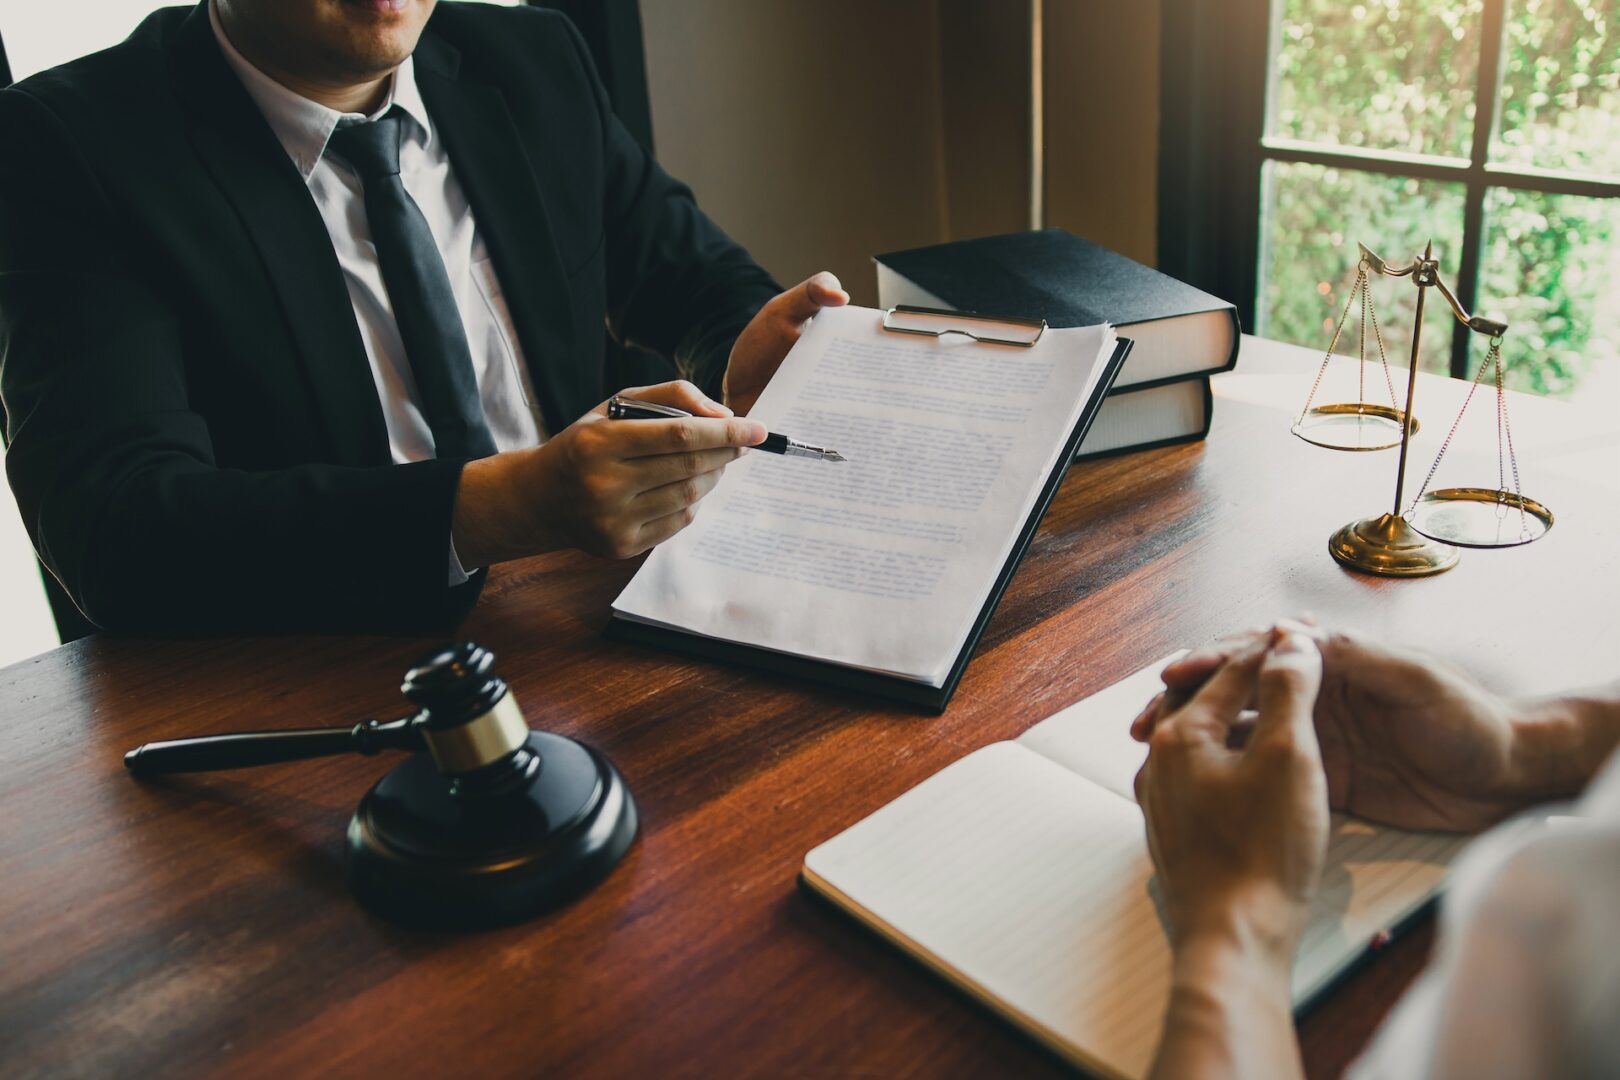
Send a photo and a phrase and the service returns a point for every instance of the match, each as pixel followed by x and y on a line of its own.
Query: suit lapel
pixel 276 209
pixel 487 153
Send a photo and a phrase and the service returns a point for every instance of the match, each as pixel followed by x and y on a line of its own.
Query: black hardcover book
pixel 1148 417
pixel 1052 274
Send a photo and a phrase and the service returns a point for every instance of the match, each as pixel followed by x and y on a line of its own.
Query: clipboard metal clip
pixel 937 322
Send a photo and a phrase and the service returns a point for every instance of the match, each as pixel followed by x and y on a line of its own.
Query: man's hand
pixel 1405 740
pixel 759 349
pixel 609 487
pixel 1238 832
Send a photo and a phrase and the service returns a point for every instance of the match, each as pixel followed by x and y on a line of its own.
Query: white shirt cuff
pixel 458 576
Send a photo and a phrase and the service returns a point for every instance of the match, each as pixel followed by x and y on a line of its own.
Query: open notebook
pixel 877 573
pixel 1021 874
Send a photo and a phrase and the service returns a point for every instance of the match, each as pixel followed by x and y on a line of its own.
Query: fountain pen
pixel 625 408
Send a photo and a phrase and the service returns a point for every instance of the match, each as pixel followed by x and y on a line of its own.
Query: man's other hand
pixel 609 487
pixel 1239 834
pixel 765 341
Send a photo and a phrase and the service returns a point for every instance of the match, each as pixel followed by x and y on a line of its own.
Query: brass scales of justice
pixel 1424 538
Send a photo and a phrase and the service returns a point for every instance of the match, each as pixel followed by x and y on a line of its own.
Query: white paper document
pixel 881 562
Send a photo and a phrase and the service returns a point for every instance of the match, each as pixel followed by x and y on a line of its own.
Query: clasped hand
pixel 1237 810
pixel 1406 740
pixel 1236 805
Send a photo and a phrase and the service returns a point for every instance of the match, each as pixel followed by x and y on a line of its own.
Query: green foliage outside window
pixel 1551 268
pixel 1392 75
pixel 1399 76
pixel 1560 98
pixel 1316 217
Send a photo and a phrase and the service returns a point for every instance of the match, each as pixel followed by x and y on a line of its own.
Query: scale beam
pixel 1431 270
pixel 1424 539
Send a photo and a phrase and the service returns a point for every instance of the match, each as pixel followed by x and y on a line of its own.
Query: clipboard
pixel 870 683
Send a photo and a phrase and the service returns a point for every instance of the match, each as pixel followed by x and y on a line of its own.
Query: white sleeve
pixel 1525 977
pixel 458 576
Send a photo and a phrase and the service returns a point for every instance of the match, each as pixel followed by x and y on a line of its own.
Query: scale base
pixel 1387 546
pixel 466 852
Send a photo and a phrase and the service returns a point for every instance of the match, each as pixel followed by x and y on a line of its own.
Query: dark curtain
pixel 1212 103
pixel 612 31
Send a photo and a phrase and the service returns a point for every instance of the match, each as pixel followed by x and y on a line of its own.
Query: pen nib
pixel 794 448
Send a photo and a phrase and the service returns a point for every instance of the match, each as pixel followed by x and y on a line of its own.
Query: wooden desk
pixel 202 924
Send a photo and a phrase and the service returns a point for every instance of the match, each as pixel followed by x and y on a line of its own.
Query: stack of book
pixel 1183 335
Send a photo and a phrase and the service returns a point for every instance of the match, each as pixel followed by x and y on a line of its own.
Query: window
pixel 1491 127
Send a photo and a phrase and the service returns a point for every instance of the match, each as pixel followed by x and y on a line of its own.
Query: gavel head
pixel 501 823
pixel 469 718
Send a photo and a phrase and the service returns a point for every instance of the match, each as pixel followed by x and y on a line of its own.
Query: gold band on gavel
pixel 479 742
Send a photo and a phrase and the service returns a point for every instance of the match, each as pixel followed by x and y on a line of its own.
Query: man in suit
pixel 301 307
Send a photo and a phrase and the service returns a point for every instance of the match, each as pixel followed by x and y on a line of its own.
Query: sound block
pixel 429 850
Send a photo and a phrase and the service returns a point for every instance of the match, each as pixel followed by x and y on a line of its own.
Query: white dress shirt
pixel 1525 977
pixel 504 388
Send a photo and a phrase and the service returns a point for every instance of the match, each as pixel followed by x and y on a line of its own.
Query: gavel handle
pixel 210 752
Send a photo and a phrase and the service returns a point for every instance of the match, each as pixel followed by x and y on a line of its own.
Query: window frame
pixel 1215 89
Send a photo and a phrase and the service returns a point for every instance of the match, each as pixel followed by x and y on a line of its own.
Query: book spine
pixel 1155 444
pixel 1237 339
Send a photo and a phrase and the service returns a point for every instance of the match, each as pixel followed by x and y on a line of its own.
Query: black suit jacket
pixel 196 443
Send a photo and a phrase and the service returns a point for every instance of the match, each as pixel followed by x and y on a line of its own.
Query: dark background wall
pixel 819 140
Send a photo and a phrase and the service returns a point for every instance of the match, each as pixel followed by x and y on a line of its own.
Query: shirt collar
pixel 304 126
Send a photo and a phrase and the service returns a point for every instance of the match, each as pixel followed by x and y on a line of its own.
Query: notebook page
pixel 1092 737
pixel 1374 876
pixel 1029 883
pixel 1034 888
pixel 881 562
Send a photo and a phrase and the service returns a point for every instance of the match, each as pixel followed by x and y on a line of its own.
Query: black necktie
pixel 419 290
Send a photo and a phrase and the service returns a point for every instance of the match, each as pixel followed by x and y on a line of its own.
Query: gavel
pixel 488 822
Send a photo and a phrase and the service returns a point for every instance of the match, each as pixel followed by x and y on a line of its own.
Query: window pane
pixel 1560 104
pixel 1312 218
pixel 1378 74
pixel 1551 268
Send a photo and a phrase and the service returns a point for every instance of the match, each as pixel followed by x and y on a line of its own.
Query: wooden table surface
pixel 201 924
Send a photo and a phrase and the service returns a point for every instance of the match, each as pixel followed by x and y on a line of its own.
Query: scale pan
pixel 1352 426
pixel 1479 518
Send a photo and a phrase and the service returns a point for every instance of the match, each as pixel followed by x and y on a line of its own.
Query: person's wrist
pixel 475 521
pixel 492 520
pixel 1557 745
pixel 738 395
pixel 1217 965
pixel 1259 922
pixel 1230 1012
pixel 1208 957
